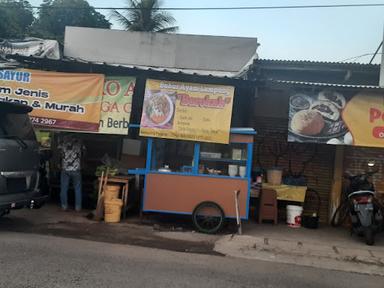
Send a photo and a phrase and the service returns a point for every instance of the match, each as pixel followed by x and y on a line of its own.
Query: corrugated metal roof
pixel 220 74
pixel 310 62
pixel 302 83
pixel 7 65
pixel 213 74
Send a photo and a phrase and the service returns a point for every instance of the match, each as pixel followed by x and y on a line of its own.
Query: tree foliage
pixel 143 15
pixel 16 18
pixel 54 15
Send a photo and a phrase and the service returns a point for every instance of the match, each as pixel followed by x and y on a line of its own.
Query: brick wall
pixel 356 161
pixel 319 172
pixel 270 130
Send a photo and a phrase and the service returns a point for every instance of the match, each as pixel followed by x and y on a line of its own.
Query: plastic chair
pixel 268 205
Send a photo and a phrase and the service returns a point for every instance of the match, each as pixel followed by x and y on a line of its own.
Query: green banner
pixel 117 104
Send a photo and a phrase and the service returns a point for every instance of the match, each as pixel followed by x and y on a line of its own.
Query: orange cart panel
pixel 182 193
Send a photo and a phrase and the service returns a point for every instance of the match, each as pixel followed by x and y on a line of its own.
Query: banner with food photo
pixel 187 111
pixel 337 117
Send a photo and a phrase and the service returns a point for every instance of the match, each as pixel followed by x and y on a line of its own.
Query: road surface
pixel 30 260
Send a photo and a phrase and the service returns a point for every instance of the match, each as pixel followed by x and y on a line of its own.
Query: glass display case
pixel 174 156
pixel 219 159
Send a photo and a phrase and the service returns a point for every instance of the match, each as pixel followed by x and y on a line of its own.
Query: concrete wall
pixel 213 53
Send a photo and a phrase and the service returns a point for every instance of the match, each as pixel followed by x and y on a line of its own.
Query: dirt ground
pixel 151 231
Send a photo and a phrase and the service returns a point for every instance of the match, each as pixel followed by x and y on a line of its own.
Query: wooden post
pixel 337 183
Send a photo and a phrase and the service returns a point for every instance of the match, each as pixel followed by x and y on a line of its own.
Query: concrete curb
pixel 302 253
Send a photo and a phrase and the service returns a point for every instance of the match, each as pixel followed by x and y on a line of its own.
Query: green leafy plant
pixel 143 15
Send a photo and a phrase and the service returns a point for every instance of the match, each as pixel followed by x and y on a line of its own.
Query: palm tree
pixel 143 15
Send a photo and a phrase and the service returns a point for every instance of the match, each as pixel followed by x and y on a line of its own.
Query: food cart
pixel 199 178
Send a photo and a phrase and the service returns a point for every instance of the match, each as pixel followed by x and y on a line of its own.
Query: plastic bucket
pixel 111 192
pixel 294 215
pixel 274 176
pixel 112 210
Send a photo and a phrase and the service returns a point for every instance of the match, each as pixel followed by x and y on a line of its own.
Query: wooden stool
pixel 268 205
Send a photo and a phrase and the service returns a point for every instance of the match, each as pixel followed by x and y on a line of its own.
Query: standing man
pixel 71 151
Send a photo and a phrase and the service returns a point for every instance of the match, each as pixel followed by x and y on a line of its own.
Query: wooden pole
pixel 337 183
pixel 100 202
pixel 100 185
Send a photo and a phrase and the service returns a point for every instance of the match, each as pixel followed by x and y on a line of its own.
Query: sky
pixel 326 34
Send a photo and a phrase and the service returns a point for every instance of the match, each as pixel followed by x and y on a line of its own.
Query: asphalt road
pixel 30 260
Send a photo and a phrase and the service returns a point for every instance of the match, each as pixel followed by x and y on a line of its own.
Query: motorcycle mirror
pixel 371 163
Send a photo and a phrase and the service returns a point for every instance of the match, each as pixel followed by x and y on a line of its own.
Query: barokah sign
pixel 59 100
pixel 336 117
pixel 187 111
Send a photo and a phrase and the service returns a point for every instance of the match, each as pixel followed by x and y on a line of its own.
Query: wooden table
pixel 122 179
pixel 284 192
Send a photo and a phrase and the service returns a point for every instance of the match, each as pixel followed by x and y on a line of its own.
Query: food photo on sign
pixel 158 109
pixel 317 117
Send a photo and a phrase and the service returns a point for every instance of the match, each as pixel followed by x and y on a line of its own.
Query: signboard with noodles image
pixel 187 111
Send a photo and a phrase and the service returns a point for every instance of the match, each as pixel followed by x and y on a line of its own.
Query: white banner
pixel 31 47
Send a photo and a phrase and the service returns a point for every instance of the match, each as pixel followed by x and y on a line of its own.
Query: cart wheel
pixel 208 217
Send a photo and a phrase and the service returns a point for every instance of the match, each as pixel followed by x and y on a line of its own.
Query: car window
pixel 17 125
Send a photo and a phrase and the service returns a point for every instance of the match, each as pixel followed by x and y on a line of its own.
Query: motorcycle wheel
pixel 369 236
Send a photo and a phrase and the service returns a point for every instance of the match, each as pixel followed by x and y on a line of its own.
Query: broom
pixel 100 201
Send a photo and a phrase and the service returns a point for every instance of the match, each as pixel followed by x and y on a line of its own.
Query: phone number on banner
pixel 43 121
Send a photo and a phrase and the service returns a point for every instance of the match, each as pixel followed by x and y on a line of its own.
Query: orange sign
pixel 60 100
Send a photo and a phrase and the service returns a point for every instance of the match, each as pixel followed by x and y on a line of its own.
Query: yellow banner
pixel 364 117
pixel 60 100
pixel 187 111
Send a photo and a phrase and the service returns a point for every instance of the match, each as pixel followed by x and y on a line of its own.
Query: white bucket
pixel 294 215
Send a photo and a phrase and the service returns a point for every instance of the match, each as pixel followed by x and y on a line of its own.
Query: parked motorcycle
pixel 360 204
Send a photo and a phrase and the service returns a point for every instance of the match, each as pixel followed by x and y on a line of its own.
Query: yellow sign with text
pixel 364 117
pixel 60 100
pixel 187 111
pixel 117 104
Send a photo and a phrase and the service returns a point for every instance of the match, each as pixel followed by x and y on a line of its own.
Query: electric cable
pixel 356 5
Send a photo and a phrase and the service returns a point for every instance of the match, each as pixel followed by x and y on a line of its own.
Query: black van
pixel 19 159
